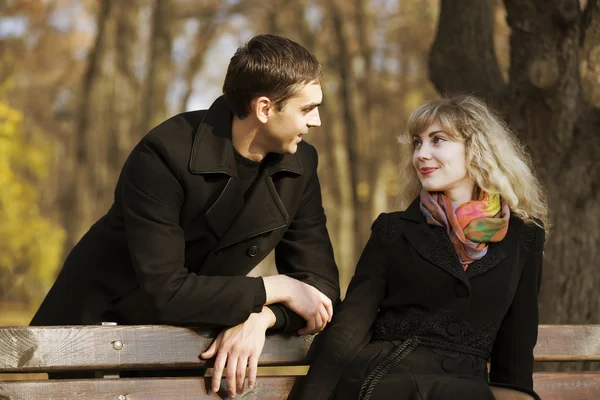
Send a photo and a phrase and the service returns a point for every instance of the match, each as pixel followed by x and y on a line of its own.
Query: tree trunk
pixel 335 164
pixel 342 63
pixel 548 107
pixel 373 162
pixel 76 207
pixel 462 57
pixel 160 67
pixel 554 46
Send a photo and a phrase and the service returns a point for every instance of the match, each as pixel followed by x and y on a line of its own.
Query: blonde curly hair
pixel 496 159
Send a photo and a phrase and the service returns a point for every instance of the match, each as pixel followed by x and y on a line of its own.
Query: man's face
pixel 286 128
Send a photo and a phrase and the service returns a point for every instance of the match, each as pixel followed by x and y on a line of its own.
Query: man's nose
pixel 315 119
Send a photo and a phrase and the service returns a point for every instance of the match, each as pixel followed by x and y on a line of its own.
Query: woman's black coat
pixel 409 281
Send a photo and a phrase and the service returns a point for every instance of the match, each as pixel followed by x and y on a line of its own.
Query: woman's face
pixel 441 164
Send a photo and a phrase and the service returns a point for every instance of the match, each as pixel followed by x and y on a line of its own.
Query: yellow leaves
pixel 10 120
pixel 30 243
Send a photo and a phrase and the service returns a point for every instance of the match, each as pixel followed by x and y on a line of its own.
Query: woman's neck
pixel 462 195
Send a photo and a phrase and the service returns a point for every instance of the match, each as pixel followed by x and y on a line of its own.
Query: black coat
pixel 409 282
pixel 179 238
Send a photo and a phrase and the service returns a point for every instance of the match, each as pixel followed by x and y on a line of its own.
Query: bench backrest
pixel 120 348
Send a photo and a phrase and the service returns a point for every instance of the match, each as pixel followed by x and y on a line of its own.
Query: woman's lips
pixel 427 171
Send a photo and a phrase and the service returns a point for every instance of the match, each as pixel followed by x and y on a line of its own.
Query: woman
pixel 450 284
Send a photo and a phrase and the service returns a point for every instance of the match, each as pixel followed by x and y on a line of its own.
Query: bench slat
pixel 550 386
pixel 46 349
pixel 568 385
pixel 273 388
pixel 568 343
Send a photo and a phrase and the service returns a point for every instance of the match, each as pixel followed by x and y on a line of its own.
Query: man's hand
pixel 303 299
pixel 239 347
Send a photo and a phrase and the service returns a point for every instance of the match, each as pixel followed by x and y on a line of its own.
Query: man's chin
pixel 291 149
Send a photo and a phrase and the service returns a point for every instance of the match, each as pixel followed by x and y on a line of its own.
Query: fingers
pixel 240 374
pixel 252 370
pixel 218 370
pixel 315 324
pixel 324 317
pixel 328 307
pixel 212 349
pixel 311 327
pixel 320 319
pixel 232 364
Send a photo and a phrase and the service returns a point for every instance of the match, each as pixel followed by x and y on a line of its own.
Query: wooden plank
pixel 550 386
pixel 567 385
pixel 275 388
pixel 568 343
pixel 43 349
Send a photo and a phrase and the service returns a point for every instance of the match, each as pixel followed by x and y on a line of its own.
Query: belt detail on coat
pixel 404 349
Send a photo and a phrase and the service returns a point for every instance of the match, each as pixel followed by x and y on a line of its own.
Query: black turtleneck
pixel 247 171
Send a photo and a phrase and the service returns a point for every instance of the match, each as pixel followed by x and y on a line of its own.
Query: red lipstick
pixel 427 171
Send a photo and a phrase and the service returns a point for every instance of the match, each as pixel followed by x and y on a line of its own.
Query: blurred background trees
pixel 81 81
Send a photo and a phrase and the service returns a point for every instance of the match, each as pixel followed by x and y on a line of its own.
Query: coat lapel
pixel 231 218
pixel 223 212
pixel 263 212
pixel 433 244
pixel 495 254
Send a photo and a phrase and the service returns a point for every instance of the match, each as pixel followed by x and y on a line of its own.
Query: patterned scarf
pixel 471 226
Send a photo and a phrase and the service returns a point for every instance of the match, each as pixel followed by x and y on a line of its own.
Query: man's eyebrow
pixel 311 105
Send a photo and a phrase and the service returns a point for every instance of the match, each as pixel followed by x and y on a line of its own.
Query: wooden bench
pixel 26 350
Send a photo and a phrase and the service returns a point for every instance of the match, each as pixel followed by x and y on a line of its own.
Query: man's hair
pixel 496 159
pixel 271 66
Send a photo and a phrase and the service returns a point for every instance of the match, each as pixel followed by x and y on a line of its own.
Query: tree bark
pixel 334 160
pixel 206 34
pixel 552 43
pixel 160 67
pixel 368 90
pixel 342 64
pixel 462 58
pixel 77 201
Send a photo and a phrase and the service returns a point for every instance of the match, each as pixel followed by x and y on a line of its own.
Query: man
pixel 201 200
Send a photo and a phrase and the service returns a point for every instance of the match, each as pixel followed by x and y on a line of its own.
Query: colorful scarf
pixel 471 226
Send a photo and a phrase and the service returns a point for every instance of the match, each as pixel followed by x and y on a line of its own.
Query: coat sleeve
pixel 349 331
pixel 305 252
pixel 151 198
pixel 512 354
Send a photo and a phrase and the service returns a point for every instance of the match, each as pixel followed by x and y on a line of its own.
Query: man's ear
pixel 262 107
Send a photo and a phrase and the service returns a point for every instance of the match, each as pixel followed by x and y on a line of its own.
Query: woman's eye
pixel 438 139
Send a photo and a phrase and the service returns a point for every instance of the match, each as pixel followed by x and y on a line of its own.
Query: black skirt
pixel 424 374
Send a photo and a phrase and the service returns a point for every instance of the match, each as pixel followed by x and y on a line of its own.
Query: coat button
pixel 453 329
pixel 449 365
pixel 252 251
pixel 461 290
